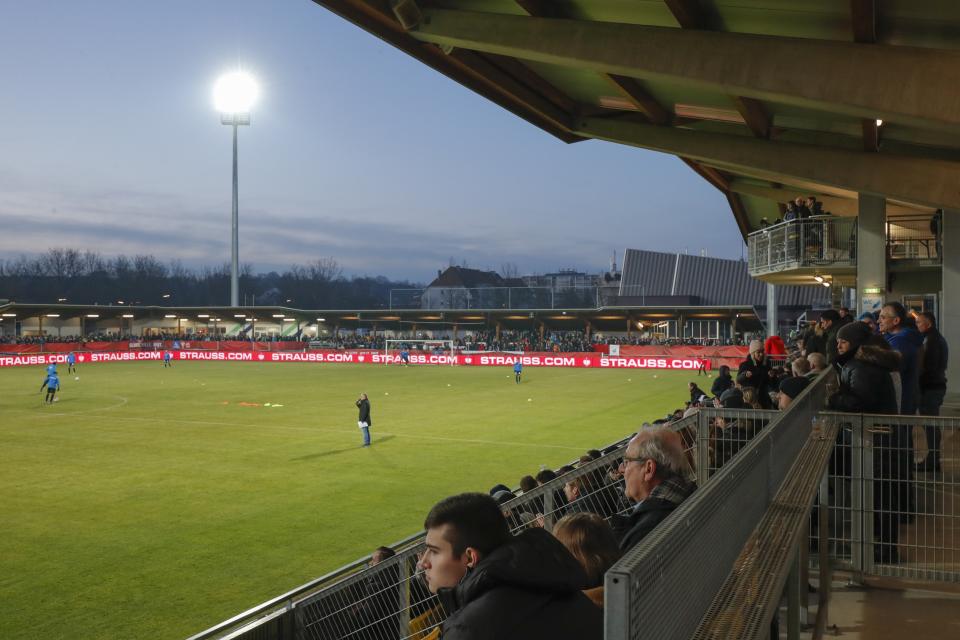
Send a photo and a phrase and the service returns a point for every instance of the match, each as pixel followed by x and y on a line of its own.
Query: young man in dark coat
pixel 363 419
pixel 866 386
pixel 494 586
pixel 933 383
pixel 655 476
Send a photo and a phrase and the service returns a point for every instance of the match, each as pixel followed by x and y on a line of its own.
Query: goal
pixel 421 347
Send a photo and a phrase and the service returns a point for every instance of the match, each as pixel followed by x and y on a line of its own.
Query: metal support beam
pixel 919 180
pixel 950 297
pixel 837 77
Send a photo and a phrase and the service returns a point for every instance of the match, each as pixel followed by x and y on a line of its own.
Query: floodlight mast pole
pixel 235 120
pixel 235 230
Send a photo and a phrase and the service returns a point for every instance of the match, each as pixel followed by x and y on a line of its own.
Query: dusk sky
pixel 356 151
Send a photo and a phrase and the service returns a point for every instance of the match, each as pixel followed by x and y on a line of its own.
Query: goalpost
pixel 425 346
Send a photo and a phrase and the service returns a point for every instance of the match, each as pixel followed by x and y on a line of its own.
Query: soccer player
pixel 167 357
pixel 52 368
pixel 517 370
pixel 71 362
pixel 363 420
pixel 52 383
pixel 405 357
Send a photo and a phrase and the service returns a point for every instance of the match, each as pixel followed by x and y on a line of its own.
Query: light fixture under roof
pixel 239 315
pixel 128 315
pixel 203 315
pixel 169 315
pixel 93 315
pixel 818 278
pixel 53 315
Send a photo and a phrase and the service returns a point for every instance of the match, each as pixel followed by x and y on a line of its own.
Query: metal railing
pixel 894 510
pixel 821 241
pixel 520 298
pixel 700 541
pixel 914 238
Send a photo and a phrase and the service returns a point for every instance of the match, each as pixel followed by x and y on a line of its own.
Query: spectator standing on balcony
pixel 866 386
pixel 493 585
pixel 656 477
pixel 755 372
pixel 933 383
pixel 830 324
pixel 900 335
pixel 803 211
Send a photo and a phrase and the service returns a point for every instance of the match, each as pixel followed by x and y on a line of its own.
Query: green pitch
pixel 152 502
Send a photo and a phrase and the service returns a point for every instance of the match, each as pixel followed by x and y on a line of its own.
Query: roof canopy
pixel 765 99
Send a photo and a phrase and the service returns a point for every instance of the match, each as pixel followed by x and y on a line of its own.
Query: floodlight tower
pixel 233 95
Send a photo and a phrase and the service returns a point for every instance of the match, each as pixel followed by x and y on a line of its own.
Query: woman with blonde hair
pixel 591 541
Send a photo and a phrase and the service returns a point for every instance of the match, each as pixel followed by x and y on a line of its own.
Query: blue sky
pixel 356 151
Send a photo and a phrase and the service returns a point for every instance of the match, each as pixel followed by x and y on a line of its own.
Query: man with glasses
pixel 655 476
pixel 900 334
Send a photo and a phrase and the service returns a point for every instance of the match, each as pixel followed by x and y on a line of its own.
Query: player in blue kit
pixel 167 357
pixel 517 370
pixel 52 383
pixel 405 357
pixel 52 368
pixel 71 362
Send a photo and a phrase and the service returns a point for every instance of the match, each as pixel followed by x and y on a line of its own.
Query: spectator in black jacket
pixel 722 383
pixel 933 383
pixel 866 386
pixel 493 585
pixel 656 476
pixel 755 372
pixel 695 393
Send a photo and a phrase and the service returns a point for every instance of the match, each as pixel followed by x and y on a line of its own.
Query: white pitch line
pixel 329 430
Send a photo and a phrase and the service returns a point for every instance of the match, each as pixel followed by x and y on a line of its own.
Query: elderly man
pixel 818 363
pixel 494 585
pixel 902 337
pixel 755 372
pixel 656 477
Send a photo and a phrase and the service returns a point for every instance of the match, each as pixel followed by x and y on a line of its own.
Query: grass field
pixel 149 503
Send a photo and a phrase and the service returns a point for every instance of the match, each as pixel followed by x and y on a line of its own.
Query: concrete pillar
pixel 871 253
pixel 950 300
pixel 772 309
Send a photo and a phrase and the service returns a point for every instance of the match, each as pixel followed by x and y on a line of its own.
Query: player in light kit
pixel 71 362
pixel 52 383
pixel 167 357
pixel 517 370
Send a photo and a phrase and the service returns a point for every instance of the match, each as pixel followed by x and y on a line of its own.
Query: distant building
pixel 464 288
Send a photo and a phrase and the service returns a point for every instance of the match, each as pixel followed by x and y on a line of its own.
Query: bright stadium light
pixel 93 315
pixel 239 315
pixel 879 122
pixel 170 315
pixel 818 278
pixel 128 315
pixel 204 315
pixel 321 319
pixel 53 315
pixel 9 315
pixel 233 95
pixel 278 315
pixel 289 319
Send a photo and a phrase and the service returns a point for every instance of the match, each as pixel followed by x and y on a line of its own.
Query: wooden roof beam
pixel 836 77
pixel 923 181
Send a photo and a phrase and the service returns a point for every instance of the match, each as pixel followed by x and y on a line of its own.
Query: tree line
pixel 86 277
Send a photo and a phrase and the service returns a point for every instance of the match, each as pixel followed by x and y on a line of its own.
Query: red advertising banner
pixel 493 359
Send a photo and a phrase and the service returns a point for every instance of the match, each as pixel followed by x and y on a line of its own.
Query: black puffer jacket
pixel 865 382
pixel 528 589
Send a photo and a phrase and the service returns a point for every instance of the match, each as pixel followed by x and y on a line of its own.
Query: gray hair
pixel 665 447
pixel 817 361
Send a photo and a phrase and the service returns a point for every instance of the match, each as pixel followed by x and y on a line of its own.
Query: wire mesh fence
pixel 895 497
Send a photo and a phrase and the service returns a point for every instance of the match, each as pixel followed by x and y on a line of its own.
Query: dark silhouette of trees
pixel 85 277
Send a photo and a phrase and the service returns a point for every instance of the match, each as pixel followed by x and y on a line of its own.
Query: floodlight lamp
pixel 53 315
pixel 203 315
pixel 825 283
pixel 639 325
pixel 879 122
pixel 321 319
pixel 234 93
pixel 289 319
pixel 169 315
pixel 128 315
pixel 93 315
pixel 278 315
pixel 9 315
pixel 818 278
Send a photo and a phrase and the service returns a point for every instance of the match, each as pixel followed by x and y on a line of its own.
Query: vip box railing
pixel 819 241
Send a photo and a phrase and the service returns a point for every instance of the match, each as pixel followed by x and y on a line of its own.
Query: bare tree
pixel 509 270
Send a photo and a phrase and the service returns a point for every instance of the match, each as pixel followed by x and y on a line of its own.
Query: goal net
pixel 429 348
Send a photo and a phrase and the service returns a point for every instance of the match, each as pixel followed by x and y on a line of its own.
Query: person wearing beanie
pixel 868 366
pixel 755 372
pixel 790 388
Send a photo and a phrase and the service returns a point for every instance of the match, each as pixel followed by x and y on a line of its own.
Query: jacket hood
pixel 533 560
pixel 884 358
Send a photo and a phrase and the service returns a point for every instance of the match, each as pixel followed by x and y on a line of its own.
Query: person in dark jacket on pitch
pixel 933 383
pixel 866 386
pixel 756 373
pixel 495 586
pixel 722 383
pixel 363 418
pixel 656 477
